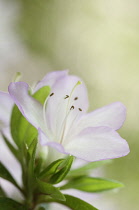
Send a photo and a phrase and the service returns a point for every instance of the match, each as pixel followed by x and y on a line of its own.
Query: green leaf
pixel 86 168
pixel 32 148
pixel 5 174
pixel 42 94
pixel 9 204
pixel 76 203
pixel 29 168
pixel 31 157
pixel 22 131
pixel 50 190
pixel 38 166
pixel 51 169
pixel 12 148
pixel 91 184
pixel 61 174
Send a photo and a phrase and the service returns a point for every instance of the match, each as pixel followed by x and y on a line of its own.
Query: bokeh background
pixel 96 40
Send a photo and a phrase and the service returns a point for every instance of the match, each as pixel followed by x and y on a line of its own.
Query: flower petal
pixel 6 105
pixel 45 141
pixel 51 78
pixel 55 150
pixel 99 143
pixel 31 109
pixel 112 116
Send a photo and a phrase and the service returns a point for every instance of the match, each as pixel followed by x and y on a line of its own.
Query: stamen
pixel 64 124
pixel 44 111
pixel 78 83
pixel 80 109
pixel 51 94
pixel 72 107
pixel 64 127
pixel 66 96
pixel 17 77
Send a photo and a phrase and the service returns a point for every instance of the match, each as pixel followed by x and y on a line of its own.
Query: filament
pixel 44 112
pixel 64 124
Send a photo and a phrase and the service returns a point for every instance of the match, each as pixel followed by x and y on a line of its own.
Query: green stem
pixel 26 178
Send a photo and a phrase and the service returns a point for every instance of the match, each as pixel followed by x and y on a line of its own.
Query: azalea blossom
pixel 63 122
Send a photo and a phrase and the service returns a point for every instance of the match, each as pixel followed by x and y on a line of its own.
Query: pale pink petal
pixel 54 151
pixel 6 105
pixel 50 79
pixel 45 141
pixel 94 144
pixel 31 109
pixel 112 116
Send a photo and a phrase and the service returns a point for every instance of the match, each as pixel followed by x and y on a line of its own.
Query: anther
pixel 75 98
pixel 72 107
pixel 80 109
pixel 66 96
pixel 51 94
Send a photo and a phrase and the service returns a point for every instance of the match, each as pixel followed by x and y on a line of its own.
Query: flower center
pixel 60 129
pixel 68 111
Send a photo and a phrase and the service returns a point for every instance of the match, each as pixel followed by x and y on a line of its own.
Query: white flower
pixel 63 122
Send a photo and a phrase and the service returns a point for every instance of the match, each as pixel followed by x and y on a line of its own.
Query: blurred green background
pixel 96 40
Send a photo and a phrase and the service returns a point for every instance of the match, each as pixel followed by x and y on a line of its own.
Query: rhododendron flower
pixel 63 122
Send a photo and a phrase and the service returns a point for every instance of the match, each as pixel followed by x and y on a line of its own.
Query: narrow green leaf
pixel 5 174
pixel 30 165
pixel 32 148
pixel 12 148
pixel 22 131
pixel 31 155
pixel 91 184
pixel 51 169
pixel 42 94
pixel 87 167
pixel 50 190
pixel 9 204
pixel 38 166
pixel 75 203
pixel 61 174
